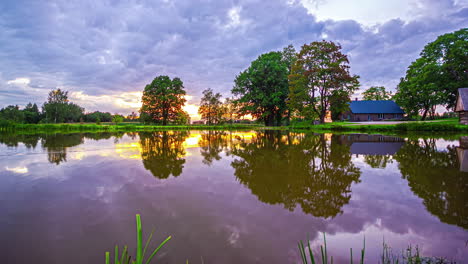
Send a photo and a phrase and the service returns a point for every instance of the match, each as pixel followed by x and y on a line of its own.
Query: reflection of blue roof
pixel 376 148
pixel 375 107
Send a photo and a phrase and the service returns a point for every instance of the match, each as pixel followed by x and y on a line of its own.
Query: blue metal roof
pixel 375 107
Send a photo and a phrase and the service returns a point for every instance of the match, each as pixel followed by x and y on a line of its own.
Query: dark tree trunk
pixel 269 120
pixel 424 114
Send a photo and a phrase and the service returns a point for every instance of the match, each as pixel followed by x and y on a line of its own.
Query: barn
pixel 462 105
pixel 373 111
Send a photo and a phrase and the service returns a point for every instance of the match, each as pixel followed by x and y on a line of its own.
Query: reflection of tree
pixel 297 169
pixel 378 161
pixel 57 144
pixel 163 152
pixel 435 177
pixel 12 140
pixel 212 144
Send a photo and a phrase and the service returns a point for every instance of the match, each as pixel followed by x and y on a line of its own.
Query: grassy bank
pixel 125 127
pixel 450 125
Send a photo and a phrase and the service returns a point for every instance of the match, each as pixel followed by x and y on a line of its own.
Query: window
pixel 381 116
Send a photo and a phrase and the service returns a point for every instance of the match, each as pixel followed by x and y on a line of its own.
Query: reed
pixel 125 258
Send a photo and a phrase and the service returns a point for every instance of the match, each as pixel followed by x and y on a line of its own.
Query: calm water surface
pixel 230 197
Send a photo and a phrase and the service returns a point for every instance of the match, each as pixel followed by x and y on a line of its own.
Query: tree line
pixel 57 109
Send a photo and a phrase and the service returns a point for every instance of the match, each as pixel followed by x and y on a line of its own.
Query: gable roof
pixel 462 100
pixel 375 107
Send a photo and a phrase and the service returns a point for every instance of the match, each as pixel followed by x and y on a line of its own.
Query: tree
pixel 12 113
pixel 289 56
pixel 376 93
pixel 31 114
pixel 230 110
pixel 183 118
pixel 162 100
pixel 262 89
pixel 419 92
pixel 211 107
pixel 58 108
pixel 117 119
pixel 339 103
pixel 450 53
pixel 319 71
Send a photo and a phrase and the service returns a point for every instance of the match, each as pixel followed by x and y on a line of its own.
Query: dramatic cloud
pixel 104 52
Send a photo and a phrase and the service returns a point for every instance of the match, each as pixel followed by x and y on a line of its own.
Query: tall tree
pixel 211 108
pixel 262 89
pixel 230 110
pixel 376 93
pixel 162 100
pixel 59 109
pixel 419 92
pixel 31 114
pixel 289 56
pixel 319 71
pixel 450 53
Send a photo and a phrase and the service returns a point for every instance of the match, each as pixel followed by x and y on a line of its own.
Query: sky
pixel 105 52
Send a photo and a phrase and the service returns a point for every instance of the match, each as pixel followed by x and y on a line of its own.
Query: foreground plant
pixel 125 258
pixel 409 256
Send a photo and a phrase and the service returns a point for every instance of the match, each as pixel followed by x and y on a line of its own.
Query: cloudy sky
pixel 105 52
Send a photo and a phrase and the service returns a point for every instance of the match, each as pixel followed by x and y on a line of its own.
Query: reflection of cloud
pixel 17 169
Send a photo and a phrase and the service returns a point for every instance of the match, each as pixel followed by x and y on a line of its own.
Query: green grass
pixel 125 258
pixel 449 125
pixel 124 127
pixel 408 256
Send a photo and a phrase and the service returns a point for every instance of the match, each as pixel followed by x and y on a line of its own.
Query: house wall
pixel 369 117
pixel 463 117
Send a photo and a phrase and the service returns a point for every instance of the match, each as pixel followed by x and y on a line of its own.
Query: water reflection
pixel 435 176
pixel 163 153
pixel 297 169
pixel 230 192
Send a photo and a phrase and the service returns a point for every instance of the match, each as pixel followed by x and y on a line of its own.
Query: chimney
pixel 355 99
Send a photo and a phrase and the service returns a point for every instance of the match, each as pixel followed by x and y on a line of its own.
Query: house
pixel 462 105
pixel 199 122
pixel 373 111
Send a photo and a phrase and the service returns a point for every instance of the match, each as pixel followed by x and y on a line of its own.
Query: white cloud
pixel 19 81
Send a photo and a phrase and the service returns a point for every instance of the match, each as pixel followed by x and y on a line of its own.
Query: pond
pixel 231 197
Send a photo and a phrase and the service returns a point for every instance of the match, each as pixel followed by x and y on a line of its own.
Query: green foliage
pixel 117 119
pixel 450 53
pixel 320 71
pixel 12 114
pixel 162 100
pixel 94 116
pixel 419 91
pixel 58 108
pixel 211 108
pixel 376 93
pixel 183 118
pixel 262 89
pixel 433 79
pixel 140 251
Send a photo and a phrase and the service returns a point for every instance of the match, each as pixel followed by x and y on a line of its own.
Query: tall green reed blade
pixel 323 255
pixel 139 252
pixel 363 251
pixel 107 258
pixel 351 252
pixel 116 255
pixel 157 249
pixel 301 251
pixel 124 254
pixel 310 252
pixel 325 243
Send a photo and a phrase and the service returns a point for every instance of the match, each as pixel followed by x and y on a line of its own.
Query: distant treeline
pixel 57 109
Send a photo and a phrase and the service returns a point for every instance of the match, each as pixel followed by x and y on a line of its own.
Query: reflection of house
pixel 373 111
pixel 462 153
pixel 462 105
pixel 365 144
